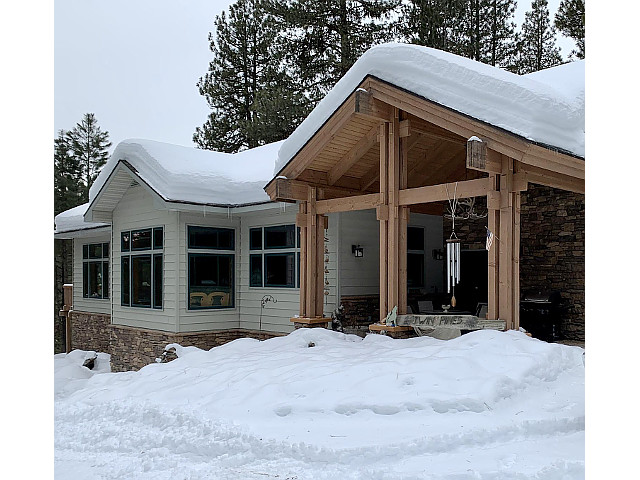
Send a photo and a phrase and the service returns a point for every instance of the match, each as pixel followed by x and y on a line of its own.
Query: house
pixel 184 245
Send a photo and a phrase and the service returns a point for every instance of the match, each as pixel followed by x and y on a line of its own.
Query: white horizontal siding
pixel 361 276
pixel 80 303
pixel 137 210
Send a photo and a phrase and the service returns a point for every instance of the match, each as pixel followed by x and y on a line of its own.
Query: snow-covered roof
pixel 72 220
pixel 546 107
pixel 190 175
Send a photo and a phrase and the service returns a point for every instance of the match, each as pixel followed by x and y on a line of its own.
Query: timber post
pixel 66 308
pixel 383 217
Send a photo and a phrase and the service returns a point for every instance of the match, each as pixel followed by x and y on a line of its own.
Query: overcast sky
pixel 135 64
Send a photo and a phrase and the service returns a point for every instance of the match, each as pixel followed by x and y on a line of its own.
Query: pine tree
pixel 433 23
pixel 89 145
pixel 250 94
pixel 570 21
pixel 324 38
pixel 67 180
pixel 537 46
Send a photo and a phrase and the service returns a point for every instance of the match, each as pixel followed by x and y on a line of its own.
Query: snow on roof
pixel 546 107
pixel 184 174
pixel 73 219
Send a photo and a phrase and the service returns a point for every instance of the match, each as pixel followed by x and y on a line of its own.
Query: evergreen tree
pixel 537 45
pixel 479 29
pixel 89 145
pixel 570 21
pixel 249 92
pixel 67 180
pixel 324 38
pixel 433 23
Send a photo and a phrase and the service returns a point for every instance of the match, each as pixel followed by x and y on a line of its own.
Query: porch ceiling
pixel 434 156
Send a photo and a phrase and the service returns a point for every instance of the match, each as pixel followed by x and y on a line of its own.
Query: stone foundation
pixel 360 311
pixel 90 331
pixel 133 348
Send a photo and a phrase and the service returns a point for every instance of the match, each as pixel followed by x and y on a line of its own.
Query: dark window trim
pixel 275 251
pixel 233 280
pixel 152 251
pixel 87 259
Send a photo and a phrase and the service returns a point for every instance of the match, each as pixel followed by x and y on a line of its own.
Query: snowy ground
pixel 487 405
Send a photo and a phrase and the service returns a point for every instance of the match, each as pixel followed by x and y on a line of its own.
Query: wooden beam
pixel 384 154
pixel 302 210
pixel 516 261
pixel 498 140
pixel 552 179
pixel 393 250
pixel 493 223
pixel 318 281
pixel 312 257
pixel 358 150
pixel 403 221
pixel 303 159
pixel 285 190
pixel 374 172
pixel 438 193
pixel 348 204
pixel 505 271
pixel 368 106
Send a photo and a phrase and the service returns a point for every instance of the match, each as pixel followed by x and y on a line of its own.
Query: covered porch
pixel 391 150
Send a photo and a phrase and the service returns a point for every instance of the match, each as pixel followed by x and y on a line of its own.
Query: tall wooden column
pixel 509 254
pixel 393 241
pixel 382 213
pixel 301 222
pixel 493 220
pixel 403 217
pixel 314 256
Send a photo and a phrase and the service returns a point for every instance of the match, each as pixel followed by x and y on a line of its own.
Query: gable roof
pixel 189 175
pixel 546 107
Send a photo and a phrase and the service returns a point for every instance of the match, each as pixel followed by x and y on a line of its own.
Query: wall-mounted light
pixel 357 250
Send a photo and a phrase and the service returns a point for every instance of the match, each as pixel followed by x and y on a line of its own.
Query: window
pixel 211 267
pixel 141 269
pixel 275 256
pixel 415 257
pixel 95 270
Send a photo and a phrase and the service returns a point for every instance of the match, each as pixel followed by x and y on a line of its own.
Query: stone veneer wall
pixel 133 348
pixel 552 225
pixel 360 311
pixel 552 248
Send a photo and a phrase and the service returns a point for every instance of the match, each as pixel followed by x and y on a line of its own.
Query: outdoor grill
pixel 541 313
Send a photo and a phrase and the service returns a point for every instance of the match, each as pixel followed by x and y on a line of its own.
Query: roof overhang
pixel 370 105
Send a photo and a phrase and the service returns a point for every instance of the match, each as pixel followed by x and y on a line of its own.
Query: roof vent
pixel 134 183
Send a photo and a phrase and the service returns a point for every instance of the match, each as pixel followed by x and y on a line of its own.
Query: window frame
pixel 200 251
pixel 127 255
pixel 87 260
pixel 265 252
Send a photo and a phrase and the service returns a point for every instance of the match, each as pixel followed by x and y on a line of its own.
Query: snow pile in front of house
pixel 73 219
pixel 317 404
pixel 192 175
pixel 69 374
pixel 551 113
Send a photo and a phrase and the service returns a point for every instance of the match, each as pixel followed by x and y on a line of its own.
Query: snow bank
pixel 320 404
pixel 70 375
pixel 547 107
pixel 185 174
pixel 73 219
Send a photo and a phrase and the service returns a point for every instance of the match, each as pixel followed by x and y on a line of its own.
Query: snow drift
pixel 320 404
